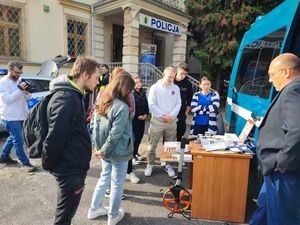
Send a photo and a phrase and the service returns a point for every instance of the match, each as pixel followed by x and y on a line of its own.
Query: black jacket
pixel 186 94
pixel 67 147
pixel 279 135
pixel 141 104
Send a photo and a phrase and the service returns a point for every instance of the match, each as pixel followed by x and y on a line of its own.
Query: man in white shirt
pixel 164 104
pixel 13 111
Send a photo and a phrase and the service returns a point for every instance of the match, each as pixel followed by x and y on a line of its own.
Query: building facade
pixel 127 31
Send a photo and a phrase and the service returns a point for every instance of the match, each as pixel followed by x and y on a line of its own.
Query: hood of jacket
pixel 63 82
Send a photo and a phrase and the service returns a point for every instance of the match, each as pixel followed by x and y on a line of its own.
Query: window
pixel 252 77
pixel 77 37
pixel 10 31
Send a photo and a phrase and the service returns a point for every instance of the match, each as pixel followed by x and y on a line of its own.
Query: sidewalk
pixel 29 199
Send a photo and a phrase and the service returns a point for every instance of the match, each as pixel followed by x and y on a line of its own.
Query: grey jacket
pixel 279 135
pixel 112 135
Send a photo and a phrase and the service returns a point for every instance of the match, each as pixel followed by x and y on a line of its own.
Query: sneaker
pixel 169 170
pixel 148 170
pixel 28 167
pixel 132 178
pixel 163 163
pixel 107 194
pixel 8 160
pixel 139 157
pixel 92 214
pixel 136 162
pixel 117 218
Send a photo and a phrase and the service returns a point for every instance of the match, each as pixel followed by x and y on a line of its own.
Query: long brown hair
pixel 120 88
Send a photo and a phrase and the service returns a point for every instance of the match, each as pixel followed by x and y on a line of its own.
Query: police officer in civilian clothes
pixel 186 94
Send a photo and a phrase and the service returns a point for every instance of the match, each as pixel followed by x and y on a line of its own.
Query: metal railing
pixel 150 74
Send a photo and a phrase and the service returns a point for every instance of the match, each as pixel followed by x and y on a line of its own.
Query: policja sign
pixel 159 24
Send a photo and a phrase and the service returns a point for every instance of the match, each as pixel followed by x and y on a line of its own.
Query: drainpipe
pixel 93 19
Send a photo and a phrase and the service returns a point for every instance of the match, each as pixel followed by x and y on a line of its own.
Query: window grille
pixel 10 32
pixel 77 37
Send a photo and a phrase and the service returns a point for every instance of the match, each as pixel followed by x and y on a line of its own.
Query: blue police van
pixel 249 92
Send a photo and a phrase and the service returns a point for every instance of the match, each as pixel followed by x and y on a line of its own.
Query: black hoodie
pixel 67 147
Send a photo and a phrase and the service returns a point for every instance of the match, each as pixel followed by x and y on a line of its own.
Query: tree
pixel 218 27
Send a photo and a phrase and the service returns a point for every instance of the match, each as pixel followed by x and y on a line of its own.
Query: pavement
pixel 30 198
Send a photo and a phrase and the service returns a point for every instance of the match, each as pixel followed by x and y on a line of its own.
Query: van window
pixel 252 77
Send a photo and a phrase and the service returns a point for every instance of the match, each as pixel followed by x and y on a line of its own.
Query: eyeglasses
pixel 17 72
pixel 293 68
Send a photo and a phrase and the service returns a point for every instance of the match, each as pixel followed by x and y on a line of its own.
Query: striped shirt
pixel 203 110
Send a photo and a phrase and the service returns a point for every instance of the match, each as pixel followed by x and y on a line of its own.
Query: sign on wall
pixel 159 24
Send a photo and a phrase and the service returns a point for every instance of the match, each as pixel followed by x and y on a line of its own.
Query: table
pixel 220 183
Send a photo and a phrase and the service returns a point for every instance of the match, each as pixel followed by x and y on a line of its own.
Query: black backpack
pixel 35 128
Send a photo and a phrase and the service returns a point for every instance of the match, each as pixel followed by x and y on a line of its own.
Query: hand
pixel 98 154
pixel 142 117
pixel 167 118
pixel 188 108
pixel 23 86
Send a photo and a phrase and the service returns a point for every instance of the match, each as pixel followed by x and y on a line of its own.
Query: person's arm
pixel 189 98
pixel 8 97
pixel 215 103
pixel 177 107
pixel 196 108
pixel 120 118
pixel 288 158
pixel 153 104
pixel 146 109
pixel 60 121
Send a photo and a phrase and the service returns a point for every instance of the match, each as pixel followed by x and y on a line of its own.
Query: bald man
pixel 278 147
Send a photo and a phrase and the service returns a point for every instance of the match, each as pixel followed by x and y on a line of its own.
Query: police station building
pixel 135 31
pixel 124 31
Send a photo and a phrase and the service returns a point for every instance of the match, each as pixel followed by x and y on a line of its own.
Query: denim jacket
pixel 112 134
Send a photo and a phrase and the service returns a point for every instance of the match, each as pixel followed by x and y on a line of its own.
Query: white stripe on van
pixel 242 112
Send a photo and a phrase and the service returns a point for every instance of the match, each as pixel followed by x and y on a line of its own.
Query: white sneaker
pixel 148 170
pixel 163 163
pixel 132 178
pixel 116 219
pixel 92 214
pixel 169 170
pixel 136 162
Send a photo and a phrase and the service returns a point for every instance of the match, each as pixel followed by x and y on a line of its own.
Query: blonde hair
pixel 116 72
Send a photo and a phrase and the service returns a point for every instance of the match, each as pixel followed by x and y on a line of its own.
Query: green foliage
pixel 218 27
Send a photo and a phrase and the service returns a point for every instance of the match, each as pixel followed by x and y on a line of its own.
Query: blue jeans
pixel 112 174
pixel 15 139
pixel 278 201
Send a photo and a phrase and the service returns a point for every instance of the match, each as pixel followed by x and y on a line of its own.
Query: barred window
pixel 10 31
pixel 77 37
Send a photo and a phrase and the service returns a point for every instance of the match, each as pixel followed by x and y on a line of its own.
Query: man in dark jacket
pixel 278 147
pixel 67 147
pixel 186 94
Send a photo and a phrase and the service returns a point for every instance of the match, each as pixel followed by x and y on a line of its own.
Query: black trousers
pixel 69 193
pixel 181 126
pixel 138 132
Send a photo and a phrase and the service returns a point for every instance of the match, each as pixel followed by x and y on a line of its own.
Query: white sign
pixel 264 44
pixel 159 24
